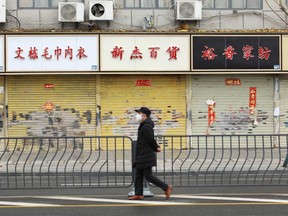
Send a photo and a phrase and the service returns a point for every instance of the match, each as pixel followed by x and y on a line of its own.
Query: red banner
pixel 211 115
pixel 252 99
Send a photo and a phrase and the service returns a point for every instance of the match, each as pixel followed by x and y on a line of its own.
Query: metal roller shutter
pixel 165 95
pixel 73 98
pixel 232 113
pixel 283 89
pixel 2 110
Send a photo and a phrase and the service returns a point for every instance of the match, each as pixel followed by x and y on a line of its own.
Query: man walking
pixel 146 155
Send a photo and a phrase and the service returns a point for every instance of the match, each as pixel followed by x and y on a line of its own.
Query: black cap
pixel 144 110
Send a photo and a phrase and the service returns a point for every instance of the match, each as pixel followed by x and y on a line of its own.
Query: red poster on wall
pixel 252 99
pixel 211 114
pixel 48 106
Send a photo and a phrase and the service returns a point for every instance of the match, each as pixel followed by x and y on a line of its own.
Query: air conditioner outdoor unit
pixel 2 10
pixel 189 10
pixel 100 10
pixel 70 12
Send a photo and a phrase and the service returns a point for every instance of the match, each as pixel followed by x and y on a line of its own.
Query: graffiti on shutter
pixel 59 122
pixel 127 124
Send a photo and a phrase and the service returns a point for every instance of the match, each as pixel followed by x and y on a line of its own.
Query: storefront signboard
pixel 237 52
pixel 40 53
pixel 145 53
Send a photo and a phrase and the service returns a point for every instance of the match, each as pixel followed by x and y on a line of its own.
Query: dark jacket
pixel 146 145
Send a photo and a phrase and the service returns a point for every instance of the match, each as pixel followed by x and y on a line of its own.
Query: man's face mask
pixel 138 117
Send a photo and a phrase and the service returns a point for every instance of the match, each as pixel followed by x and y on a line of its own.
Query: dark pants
pixel 147 173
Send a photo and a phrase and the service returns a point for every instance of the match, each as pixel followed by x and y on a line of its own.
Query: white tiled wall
pixel 163 18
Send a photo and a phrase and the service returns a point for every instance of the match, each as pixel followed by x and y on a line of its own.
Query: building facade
pixel 223 74
pixel 129 14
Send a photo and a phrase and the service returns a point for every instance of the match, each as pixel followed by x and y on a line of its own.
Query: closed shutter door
pixel 165 95
pixel 2 111
pixel 283 88
pixel 232 114
pixel 72 100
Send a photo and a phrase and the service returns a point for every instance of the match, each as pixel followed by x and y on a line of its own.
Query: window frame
pixel 140 5
pixel 33 7
pixel 235 8
pixel 212 8
pixel 156 6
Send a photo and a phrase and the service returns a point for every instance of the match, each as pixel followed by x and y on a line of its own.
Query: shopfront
pixel 232 104
pixel 47 96
pixel 164 95
pixel 64 85
pixel 281 104
pixel 51 105
pixel 236 94
pixel 150 64
pixel 2 89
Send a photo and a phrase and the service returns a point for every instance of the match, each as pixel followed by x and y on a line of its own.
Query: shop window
pixel 36 4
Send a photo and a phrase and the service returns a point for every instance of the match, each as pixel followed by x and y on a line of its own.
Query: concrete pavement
pixel 232 201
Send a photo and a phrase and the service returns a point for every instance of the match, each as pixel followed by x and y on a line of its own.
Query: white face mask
pixel 138 117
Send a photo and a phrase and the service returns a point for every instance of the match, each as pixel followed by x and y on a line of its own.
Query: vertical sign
pixel 211 114
pixel 252 100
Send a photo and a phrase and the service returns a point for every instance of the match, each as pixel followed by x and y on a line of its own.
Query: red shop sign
pixel 143 83
pixel 48 86
pixel 232 82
